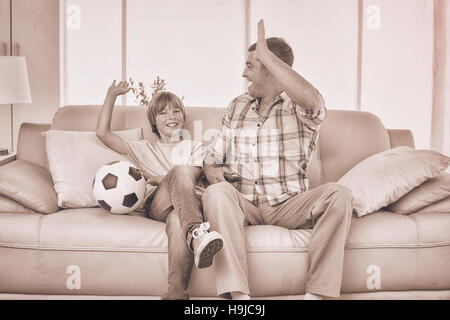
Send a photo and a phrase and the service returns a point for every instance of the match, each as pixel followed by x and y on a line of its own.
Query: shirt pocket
pixel 294 156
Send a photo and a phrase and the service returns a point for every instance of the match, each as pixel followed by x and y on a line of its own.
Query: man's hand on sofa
pixel 30 185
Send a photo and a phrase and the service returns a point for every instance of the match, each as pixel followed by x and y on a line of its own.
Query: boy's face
pixel 169 122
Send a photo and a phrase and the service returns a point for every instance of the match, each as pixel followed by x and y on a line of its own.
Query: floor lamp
pixel 14 87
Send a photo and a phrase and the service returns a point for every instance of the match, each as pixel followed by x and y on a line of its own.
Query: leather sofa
pixel 89 253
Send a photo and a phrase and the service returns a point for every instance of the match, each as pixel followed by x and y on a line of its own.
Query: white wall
pixel 36 30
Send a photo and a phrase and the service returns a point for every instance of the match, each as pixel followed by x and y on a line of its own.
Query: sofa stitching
pixel 250 250
pixel 417 250
pixel 39 253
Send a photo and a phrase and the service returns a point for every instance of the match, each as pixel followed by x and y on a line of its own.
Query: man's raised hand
pixel 261 44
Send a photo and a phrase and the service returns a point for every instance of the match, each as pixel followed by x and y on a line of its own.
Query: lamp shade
pixel 14 85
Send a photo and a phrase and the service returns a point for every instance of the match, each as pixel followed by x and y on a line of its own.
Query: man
pixel 266 141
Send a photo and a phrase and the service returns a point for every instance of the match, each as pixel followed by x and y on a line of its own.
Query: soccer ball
pixel 119 187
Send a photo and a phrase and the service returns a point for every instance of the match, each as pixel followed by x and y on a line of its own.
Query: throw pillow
pixel 9 205
pixel 74 158
pixel 429 192
pixel 28 184
pixel 442 206
pixel 387 176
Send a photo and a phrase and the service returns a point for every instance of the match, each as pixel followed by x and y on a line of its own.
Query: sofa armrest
pixel 30 185
pixel 31 143
pixel 401 137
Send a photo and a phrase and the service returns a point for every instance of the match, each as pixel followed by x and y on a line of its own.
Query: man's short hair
pixel 158 103
pixel 280 48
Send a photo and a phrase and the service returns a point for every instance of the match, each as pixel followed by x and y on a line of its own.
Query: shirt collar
pixel 278 99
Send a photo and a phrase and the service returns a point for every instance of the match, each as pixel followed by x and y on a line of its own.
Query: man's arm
pixel 216 156
pixel 103 130
pixel 298 88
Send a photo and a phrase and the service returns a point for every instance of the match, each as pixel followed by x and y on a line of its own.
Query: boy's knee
pixel 179 171
pixel 216 192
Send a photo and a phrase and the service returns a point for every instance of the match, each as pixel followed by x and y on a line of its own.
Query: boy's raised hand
pixel 119 89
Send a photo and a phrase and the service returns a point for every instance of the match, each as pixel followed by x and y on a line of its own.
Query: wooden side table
pixel 7 159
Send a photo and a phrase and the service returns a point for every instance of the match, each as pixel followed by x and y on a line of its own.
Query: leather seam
pixel 249 249
pixel 39 226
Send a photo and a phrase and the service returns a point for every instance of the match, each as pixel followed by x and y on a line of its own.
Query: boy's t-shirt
pixel 156 158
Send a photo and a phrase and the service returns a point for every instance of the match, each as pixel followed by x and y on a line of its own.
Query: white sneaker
pixel 206 245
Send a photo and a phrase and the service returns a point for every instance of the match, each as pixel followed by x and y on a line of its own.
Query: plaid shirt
pixel 270 151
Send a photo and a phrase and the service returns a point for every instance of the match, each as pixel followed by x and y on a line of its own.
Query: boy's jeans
pixel 175 202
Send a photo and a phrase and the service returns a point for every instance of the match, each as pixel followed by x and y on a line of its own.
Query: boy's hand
pixel 220 174
pixel 261 44
pixel 119 89
pixel 154 180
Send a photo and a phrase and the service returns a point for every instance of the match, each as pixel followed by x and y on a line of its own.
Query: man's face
pixel 257 75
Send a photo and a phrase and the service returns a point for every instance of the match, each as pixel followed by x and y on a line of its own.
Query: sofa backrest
pixel 346 137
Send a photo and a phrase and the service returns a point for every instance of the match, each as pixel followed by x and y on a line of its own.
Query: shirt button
pixel 259 125
pixel 256 182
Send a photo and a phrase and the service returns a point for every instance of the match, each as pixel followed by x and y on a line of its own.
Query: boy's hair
pixel 158 103
pixel 280 48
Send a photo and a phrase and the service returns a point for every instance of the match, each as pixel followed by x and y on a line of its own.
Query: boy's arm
pixel 298 88
pixel 103 130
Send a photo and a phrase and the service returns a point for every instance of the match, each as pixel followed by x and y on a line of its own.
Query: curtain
pixel 440 127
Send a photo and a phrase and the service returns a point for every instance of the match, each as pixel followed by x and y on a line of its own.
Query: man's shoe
pixel 206 245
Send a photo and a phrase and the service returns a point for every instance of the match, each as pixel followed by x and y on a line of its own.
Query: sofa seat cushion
pixel 96 229
pixel 127 255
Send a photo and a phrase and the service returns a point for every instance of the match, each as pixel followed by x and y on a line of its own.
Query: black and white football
pixel 119 187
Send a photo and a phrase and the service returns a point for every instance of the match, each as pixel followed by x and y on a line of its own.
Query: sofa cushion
pixel 442 206
pixel 28 184
pixel 74 158
pixel 387 176
pixel 9 205
pixel 429 192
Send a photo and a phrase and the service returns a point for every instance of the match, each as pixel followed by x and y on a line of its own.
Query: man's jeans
pixel 176 203
pixel 327 209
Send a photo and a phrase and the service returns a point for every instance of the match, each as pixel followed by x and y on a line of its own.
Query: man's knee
pixel 342 198
pixel 340 191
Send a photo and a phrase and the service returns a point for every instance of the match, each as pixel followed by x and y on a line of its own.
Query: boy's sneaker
pixel 206 245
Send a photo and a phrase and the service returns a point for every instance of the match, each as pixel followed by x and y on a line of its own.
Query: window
pixel 324 37
pixel 397 65
pixel 196 46
pixel 92 49
pixel 369 55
